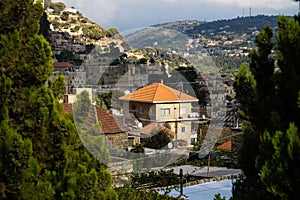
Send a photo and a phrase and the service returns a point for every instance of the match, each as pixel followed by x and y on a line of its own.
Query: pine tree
pixel 268 94
pixel 42 157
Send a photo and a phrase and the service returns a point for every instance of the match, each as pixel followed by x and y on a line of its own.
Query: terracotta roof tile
pixel 62 64
pixel 226 145
pixel 109 124
pixel 158 93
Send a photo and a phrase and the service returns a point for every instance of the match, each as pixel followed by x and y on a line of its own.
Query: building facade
pixel 158 103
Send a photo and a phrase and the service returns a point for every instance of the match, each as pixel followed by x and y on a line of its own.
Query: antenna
pixel 243 12
pixel 250 11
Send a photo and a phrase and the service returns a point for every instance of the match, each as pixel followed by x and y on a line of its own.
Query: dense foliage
pixel 127 192
pixel 110 99
pixel 229 62
pixel 57 7
pixel 158 139
pixel 154 179
pixel 269 99
pixel 41 154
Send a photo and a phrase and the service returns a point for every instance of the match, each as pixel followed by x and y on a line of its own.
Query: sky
pixel 126 15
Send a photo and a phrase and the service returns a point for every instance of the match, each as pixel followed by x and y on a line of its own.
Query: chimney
pixel 161 81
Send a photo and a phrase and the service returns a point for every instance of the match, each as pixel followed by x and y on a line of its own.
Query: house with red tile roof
pixel 159 103
pixel 115 132
pixel 60 66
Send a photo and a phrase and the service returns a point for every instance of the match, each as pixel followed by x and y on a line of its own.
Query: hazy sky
pixel 130 14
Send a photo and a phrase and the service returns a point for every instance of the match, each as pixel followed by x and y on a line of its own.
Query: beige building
pixel 158 103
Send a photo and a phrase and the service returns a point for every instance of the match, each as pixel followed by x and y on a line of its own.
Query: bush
pixel 73 20
pixel 66 25
pixel 57 7
pixel 127 192
pixel 56 24
pixel 111 32
pixel 64 16
pixel 93 32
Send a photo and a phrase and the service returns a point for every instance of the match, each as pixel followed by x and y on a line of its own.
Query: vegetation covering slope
pixel 239 25
pixel 72 21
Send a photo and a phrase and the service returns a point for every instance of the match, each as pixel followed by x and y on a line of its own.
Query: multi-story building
pixel 75 77
pixel 158 103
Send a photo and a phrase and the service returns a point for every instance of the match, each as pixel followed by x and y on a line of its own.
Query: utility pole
pixel 176 132
pixel 176 128
pixel 181 182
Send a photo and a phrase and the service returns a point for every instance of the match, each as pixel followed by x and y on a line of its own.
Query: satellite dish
pixel 170 145
pixel 140 125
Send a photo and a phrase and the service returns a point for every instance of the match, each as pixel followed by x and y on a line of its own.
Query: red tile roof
pixel 62 65
pixel 158 93
pixel 226 145
pixel 109 124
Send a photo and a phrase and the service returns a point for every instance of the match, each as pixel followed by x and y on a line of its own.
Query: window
pixel 183 130
pixel 164 111
pixel 183 111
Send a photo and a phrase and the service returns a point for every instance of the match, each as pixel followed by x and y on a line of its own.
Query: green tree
pixel 128 192
pixel 158 139
pixel 58 86
pixel 64 16
pixel 138 148
pixel 41 154
pixel 65 56
pixel 47 3
pixel 218 197
pixel 57 7
pixel 111 32
pixel 88 128
pixel 268 94
pixel 109 99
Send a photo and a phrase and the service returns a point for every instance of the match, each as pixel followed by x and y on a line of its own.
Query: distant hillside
pixel 228 42
pixel 181 26
pixel 240 25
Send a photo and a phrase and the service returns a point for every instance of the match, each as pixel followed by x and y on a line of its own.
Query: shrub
pixel 57 7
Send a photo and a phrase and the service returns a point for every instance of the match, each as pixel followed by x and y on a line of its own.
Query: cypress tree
pixel 42 157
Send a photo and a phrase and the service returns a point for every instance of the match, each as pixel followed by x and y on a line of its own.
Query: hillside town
pixel 179 110
pixel 153 87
